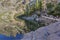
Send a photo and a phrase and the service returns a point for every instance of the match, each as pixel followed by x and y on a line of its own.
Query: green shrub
pixel 56 11
pixel 50 6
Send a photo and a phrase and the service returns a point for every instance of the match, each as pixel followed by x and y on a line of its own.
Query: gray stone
pixel 50 32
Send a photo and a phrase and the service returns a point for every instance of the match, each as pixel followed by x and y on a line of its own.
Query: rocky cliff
pixel 50 32
pixel 8 10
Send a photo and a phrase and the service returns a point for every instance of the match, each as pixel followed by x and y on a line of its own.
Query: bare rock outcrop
pixel 50 32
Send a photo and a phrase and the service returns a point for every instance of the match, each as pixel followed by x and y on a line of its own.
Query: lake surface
pixel 18 37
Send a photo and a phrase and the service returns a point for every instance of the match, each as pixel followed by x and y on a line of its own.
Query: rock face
pixel 8 10
pixel 51 32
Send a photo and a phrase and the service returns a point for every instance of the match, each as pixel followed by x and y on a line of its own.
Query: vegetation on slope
pixel 55 11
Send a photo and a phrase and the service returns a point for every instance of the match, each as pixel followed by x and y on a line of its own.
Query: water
pixel 18 37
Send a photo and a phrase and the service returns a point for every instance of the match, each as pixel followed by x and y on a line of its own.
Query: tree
pixel 37 4
pixel 57 9
pixel 53 10
pixel 50 6
pixel 40 5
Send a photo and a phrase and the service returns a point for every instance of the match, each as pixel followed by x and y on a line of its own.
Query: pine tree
pixel 37 4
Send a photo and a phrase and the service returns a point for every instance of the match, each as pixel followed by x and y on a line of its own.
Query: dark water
pixel 18 37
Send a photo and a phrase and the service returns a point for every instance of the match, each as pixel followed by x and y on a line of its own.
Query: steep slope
pixel 8 9
pixel 51 32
